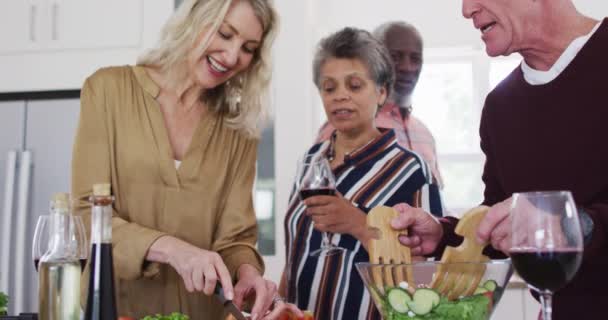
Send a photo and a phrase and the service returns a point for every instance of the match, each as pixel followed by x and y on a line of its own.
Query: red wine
pixel 101 304
pixel 546 270
pixel 307 193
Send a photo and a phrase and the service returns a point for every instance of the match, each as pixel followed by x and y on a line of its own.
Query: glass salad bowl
pixel 436 290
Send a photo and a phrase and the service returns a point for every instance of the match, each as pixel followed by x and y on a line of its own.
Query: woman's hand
pixel 282 310
pixel 252 284
pixel 200 269
pixel 336 214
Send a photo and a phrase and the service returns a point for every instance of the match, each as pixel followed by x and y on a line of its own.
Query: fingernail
pixel 395 223
pixel 229 295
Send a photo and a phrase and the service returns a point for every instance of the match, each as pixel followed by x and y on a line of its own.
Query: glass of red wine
pixel 546 242
pixel 315 178
pixel 40 243
pixel 77 239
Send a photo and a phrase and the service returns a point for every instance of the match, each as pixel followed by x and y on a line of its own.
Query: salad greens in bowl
pixel 408 292
pixel 172 316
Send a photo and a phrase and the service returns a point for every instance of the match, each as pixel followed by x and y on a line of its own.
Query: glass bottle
pixel 59 269
pixel 101 299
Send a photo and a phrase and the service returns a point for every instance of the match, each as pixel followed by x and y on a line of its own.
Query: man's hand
pixel 495 228
pixel 424 231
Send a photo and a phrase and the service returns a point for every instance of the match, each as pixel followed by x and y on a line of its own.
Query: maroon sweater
pixel 555 137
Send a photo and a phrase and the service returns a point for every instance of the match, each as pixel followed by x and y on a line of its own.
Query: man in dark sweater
pixel 542 128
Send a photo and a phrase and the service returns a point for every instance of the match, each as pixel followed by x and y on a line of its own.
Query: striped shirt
pixel 380 173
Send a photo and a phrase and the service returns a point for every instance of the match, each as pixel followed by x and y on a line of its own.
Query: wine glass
pixel 315 178
pixel 40 243
pixel 77 240
pixel 546 242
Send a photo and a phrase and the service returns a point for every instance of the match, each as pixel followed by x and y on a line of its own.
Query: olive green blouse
pixel 207 201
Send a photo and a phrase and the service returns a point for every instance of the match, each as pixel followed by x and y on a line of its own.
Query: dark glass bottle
pixel 101 298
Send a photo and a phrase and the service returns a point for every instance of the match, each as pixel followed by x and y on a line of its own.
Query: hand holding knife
pixel 228 304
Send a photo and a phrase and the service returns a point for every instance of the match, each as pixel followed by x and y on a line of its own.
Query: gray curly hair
pixel 353 43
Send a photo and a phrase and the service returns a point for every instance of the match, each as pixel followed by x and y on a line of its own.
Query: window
pixel 443 100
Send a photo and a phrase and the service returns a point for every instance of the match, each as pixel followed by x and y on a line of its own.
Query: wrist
pixel 440 231
pixel 161 249
pixel 446 236
pixel 246 270
pixel 360 230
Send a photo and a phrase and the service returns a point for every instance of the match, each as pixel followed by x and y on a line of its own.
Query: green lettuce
pixel 473 308
pixel 3 304
pixel 469 308
pixel 173 316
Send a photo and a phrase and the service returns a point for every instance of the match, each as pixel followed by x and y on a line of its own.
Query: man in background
pixel 405 47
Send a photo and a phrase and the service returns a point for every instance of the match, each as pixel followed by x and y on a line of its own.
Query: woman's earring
pixel 235 89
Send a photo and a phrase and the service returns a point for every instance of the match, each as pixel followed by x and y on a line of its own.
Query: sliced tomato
pixel 490 296
pixel 308 315
pixel 285 316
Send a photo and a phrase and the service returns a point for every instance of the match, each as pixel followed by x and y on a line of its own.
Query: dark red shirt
pixel 555 137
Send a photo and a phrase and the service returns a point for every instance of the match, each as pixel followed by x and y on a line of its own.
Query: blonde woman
pixel 176 137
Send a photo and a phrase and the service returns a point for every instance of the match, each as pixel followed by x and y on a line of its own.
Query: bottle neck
pixel 101 222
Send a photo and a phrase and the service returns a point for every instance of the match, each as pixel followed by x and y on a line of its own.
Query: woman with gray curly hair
pixel 176 137
pixel 354 74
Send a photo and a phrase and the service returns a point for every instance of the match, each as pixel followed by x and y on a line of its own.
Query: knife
pixel 228 304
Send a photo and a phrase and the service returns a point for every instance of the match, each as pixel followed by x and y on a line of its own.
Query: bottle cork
pixel 101 189
pixel 60 202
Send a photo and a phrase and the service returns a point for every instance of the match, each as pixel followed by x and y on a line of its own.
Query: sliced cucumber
pixel 491 285
pixel 480 290
pixel 427 294
pixel 421 308
pixel 398 299
pixel 424 301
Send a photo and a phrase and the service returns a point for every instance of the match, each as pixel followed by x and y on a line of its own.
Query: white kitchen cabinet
pixel 43 25
pixel 54 44
pixel 20 25
pixel 87 24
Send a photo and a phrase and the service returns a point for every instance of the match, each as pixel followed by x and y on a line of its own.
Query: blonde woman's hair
pixel 242 100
